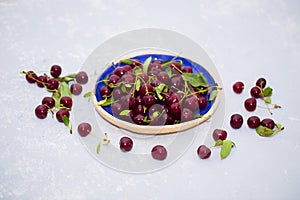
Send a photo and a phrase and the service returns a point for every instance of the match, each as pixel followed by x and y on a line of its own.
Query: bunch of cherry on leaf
pixel 155 92
pixel 61 88
pixel 265 127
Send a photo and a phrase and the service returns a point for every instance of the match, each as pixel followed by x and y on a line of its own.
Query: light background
pixel 245 39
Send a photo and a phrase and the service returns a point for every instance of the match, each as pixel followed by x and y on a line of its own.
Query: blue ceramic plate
pixel 106 111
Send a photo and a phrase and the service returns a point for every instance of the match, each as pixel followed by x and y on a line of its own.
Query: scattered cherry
pixel 76 89
pixel 66 101
pixel 84 129
pixel 81 77
pixel 41 111
pixel 255 92
pixel 31 77
pixel 203 152
pixel 253 122
pixel 55 71
pixel 52 84
pixel 49 102
pixel 236 121
pixel 267 122
pixel 159 152
pixel 250 104
pixel 219 134
pixel 61 113
pixel 238 87
pixel 261 82
pixel 126 144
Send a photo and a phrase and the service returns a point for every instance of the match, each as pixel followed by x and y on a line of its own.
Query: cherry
pixel 176 82
pixel 163 77
pixel 117 93
pixel 81 77
pixel 191 103
pixel 261 82
pixel 144 77
pixel 202 102
pixel 219 134
pixel 139 109
pixel 105 91
pixel 126 144
pixel 139 119
pixel 127 68
pixel 267 122
pixel 148 100
pixel 116 108
pixel 49 102
pixel 31 77
pixel 66 101
pixel 186 115
pixel 41 81
pixel 172 99
pixel 41 111
pixel 255 92
pixel 159 152
pixel 52 84
pixel 145 89
pixel 187 69
pixel 175 65
pixel 203 152
pixel 61 113
pixel 84 129
pixel 127 78
pixel 76 89
pixel 155 83
pixel 238 87
pixel 253 122
pixel 114 79
pixel 120 71
pixel 236 121
pixel 250 104
pixel 55 71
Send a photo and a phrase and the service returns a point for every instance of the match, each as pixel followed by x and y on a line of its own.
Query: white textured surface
pixel 246 39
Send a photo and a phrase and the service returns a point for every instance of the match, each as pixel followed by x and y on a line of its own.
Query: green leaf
pixel 169 72
pixel 66 120
pixel 195 80
pixel 64 90
pixel 105 80
pixel 155 114
pixel 264 131
pixel 278 126
pixel 267 92
pixel 137 85
pixel 197 115
pixel 226 148
pixel 126 61
pixel 213 95
pixel 202 79
pixel 146 64
pixel 105 102
pixel 218 143
pixel 124 112
pixel 123 88
pixel 98 148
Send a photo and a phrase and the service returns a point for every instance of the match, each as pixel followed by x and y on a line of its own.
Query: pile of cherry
pixel 61 90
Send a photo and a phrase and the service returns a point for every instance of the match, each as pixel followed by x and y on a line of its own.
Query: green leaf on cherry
pixel 267 132
pixel 226 148
pixel 218 143
pixel 66 120
pixel 126 61
pixel 137 85
pixel 107 101
pixel 267 92
pixel 64 90
pixel 146 64
pixel 195 80
pixel 124 112
pixel 213 95
pixel 169 72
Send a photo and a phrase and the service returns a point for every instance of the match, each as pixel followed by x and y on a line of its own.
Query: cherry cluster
pixel 61 88
pixel 259 91
pixel 157 95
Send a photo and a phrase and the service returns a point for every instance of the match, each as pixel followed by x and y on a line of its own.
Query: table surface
pixel 245 39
